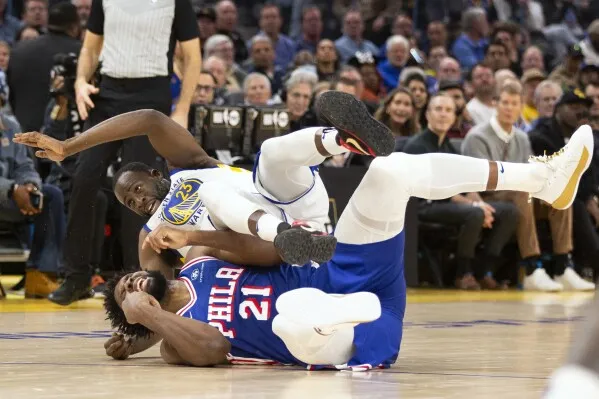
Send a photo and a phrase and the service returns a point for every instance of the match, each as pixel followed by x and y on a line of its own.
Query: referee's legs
pixel 91 167
pixel 119 97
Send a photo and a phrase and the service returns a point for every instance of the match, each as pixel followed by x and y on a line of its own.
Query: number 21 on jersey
pixel 259 306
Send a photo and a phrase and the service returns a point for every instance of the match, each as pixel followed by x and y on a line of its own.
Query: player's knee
pixel 269 151
pixel 384 170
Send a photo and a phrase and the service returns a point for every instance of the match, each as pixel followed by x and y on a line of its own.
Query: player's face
pixel 153 283
pixel 142 192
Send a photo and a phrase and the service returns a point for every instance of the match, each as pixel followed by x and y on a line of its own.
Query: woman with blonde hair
pixel 398 113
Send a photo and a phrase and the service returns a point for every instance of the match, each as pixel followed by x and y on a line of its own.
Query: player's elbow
pixel 204 353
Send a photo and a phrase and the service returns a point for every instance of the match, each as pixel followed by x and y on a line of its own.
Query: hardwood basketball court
pixel 455 345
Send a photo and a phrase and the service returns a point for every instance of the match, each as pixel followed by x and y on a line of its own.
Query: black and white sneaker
pixel 299 244
pixel 358 131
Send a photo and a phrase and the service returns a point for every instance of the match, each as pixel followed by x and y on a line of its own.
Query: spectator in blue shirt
pixel 353 40
pixel 9 25
pixel 469 48
pixel 398 49
pixel 270 25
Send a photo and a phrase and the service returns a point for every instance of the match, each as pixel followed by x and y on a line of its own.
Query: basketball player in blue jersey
pixel 280 190
pixel 347 313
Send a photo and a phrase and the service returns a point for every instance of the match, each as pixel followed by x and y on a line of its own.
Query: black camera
pixel 65 65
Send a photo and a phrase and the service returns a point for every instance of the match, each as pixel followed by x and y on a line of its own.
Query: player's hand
pixel 136 305
pixel 118 347
pixel 180 117
pixel 23 200
pixel 50 148
pixel 83 91
pixel 166 237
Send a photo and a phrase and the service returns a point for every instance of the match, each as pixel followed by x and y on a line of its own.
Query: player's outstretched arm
pixel 184 341
pixel 237 248
pixel 172 141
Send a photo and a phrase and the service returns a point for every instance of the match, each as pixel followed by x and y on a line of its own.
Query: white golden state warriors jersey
pixel 183 207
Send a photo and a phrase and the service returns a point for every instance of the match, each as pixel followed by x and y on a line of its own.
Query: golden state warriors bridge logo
pixel 184 202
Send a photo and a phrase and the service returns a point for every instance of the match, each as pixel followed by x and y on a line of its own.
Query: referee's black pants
pixel 116 96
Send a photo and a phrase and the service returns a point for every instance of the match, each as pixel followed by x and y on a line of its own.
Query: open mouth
pixel 141 284
pixel 151 207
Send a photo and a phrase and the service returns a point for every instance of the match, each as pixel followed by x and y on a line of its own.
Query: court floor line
pixel 276 369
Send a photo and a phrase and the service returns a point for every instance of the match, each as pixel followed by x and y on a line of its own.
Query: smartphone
pixel 416 56
pixel 37 199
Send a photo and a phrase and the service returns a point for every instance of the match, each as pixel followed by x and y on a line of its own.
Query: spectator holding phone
pixel 24 200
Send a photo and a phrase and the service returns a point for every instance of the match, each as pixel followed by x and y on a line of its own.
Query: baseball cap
pixel 574 97
pixel 62 15
pixel 533 74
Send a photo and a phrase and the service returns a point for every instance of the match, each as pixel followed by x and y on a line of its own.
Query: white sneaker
pixel 572 382
pixel 539 280
pixel 313 307
pixel 567 166
pixel 573 282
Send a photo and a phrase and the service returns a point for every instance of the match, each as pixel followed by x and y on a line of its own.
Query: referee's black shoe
pixel 72 289
pixel 358 131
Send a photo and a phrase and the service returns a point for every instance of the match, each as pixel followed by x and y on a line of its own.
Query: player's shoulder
pixel 207 174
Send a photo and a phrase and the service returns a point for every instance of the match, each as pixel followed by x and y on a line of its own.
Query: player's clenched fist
pixel 166 237
pixel 118 347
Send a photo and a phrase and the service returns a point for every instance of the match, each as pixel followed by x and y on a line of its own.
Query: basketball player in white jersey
pixel 220 312
pixel 281 189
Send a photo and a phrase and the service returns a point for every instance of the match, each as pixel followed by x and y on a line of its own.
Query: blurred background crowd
pixel 495 79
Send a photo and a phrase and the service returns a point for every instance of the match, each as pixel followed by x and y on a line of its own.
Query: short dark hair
pixel 130 167
pixel 115 314
pixel 307 9
pixel 482 64
pixel 207 72
pixel 505 26
pixel 413 76
pixel 345 81
pixel 270 4
pixel 496 42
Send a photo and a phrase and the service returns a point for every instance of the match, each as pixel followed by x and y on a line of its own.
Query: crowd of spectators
pixel 501 80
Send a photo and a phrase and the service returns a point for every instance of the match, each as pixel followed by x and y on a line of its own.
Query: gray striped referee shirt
pixel 140 35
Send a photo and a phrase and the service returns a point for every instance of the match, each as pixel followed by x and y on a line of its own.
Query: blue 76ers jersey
pixel 240 303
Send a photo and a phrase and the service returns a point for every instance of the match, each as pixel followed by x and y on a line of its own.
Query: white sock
pixel 573 381
pixel 267 227
pixel 527 177
pixel 329 142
